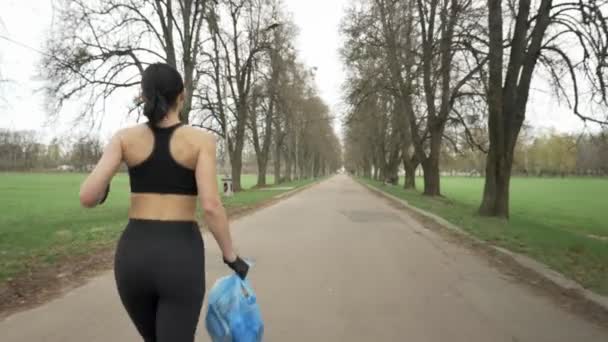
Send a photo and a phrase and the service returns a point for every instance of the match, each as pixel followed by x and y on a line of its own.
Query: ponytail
pixel 161 84
pixel 156 109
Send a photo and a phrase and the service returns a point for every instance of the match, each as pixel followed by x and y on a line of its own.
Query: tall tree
pixel 270 72
pixel 542 33
pixel 291 86
pixel 421 51
pixel 375 39
pixel 261 117
pixel 397 22
pixel 240 34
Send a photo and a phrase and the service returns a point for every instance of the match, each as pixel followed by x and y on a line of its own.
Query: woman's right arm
pixel 96 186
pixel 215 214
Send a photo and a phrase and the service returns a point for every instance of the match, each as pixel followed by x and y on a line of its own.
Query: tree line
pixel 425 76
pixel 25 151
pixel 550 154
pixel 242 76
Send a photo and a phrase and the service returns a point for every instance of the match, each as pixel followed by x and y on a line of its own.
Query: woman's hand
pixel 105 195
pixel 238 265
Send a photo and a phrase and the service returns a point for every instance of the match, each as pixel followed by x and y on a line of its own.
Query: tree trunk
pixel 367 170
pixel 262 166
pixel 431 179
pixel 236 161
pixel 391 175
pixel 236 150
pixel 262 153
pixel 316 170
pixel 277 164
pixel 432 186
pixel 288 167
pixel 495 200
pixel 302 170
pixel 410 173
pixel 237 164
pixel 189 89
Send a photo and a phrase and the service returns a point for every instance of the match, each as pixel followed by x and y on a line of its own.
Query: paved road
pixel 336 263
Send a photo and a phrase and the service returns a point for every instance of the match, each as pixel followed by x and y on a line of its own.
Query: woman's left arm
pixel 93 189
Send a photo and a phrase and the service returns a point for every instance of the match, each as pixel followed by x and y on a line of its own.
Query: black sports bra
pixel 160 173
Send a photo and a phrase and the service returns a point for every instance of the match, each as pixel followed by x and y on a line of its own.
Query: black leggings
pixel 160 275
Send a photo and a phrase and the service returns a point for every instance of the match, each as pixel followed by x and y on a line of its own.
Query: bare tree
pixel 291 87
pixel 240 32
pixel 317 150
pixel 543 33
pixel 378 36
pixel 397 23
pixel 420 51
pixel 592 154
pixel 271 71
pixel 262 112
pixel 97 48
pixel 20 150
pixel 444 26
pixel 85 152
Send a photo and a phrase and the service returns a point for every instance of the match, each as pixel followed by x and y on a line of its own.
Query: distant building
pixel 65 167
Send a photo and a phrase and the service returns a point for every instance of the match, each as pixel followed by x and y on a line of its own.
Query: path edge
pixel 532 265
pixel 249 210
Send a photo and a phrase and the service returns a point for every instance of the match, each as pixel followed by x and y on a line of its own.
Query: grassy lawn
pixel 42 221
pixel 560 222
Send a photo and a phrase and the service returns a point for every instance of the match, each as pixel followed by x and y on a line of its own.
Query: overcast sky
pixel 318 42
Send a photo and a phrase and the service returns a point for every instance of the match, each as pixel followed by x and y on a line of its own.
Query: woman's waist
pixel 156 207
pixel 157 241
pixel 145 222
pixel 145 229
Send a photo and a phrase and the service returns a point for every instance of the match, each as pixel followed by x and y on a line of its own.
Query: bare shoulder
pixel 135 129
pixel 132 131
pixel 199 137
pixel 131 136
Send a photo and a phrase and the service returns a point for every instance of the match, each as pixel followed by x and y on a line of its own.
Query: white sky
pixel 318 42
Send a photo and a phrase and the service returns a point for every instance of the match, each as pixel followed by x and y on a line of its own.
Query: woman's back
pixel 159 265
pixel 162 163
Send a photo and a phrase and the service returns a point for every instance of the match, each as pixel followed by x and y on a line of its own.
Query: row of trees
pixel 242 76
pixel 24 151
pixel 550 154
pixel 27 151
pixel 426 74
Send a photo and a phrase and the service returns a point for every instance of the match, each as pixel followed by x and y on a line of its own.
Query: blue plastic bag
pixel 233 314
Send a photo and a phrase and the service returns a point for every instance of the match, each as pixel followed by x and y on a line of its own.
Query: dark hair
pixel 161 84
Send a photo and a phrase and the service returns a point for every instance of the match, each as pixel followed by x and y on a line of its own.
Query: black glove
pixel 239 266
pixel 105 196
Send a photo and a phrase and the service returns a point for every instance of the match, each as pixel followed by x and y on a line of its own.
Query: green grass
pixel 41 220
pixel 560 222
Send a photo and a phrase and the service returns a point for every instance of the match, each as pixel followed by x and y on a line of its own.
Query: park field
pixel 41 220
pixel 562 222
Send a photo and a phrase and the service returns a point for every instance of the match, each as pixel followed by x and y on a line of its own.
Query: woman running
pixel 159 264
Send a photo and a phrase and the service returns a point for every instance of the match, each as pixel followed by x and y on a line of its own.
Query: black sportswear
pixel 160 173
